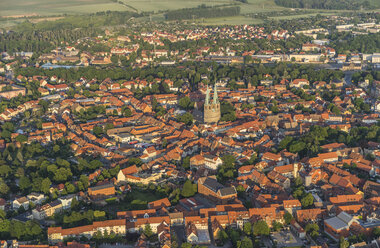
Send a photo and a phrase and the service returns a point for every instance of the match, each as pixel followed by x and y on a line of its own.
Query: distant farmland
pixel 16 8
pixel 158 8
pixel 162 5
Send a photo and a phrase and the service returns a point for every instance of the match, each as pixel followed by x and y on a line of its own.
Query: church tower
pixel 211 110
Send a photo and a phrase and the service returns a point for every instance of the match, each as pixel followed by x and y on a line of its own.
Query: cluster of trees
pixel 309 144
pixel 156 88
pixel 227 111
pixel 36 167
pixel 202 12
pixel 228 169
pixel 298 190
pixel 30 230
pixel 301 23
pixel 99 131
pixel 286 12
pixel 361 106
pixel 39 41
pixel 249 237
pixel 32 94
pixel 186 103
pixel 312 229
pixel 251 74
pixel 301 93
pixel 90 113
pixel 361 76
pixel 79 219
pixel 107 238
pixel 325 4
pixel 186 118
pixel 346 42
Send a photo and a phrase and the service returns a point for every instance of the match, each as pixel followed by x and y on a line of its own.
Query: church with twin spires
pixel 211 110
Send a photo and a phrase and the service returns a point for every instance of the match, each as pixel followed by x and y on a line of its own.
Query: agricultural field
pixel 162 5
pixel 16 8
pixel 230 20
pixel 37 10
pixel 258 6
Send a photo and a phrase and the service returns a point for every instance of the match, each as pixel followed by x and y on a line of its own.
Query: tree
pixel 164 143
pixel 288 217
pixel 148 230
pixel 4 189
pixel 70 188
pixel 100 215
pixel 5 170
pixel 228 161
pixel 45 185
pixel 186 163
pixel 6 134
pixel 185 103
pixel 21 138
pixel 247 228
pixel 98 131
pixel 56 148
pixel 84 180
pixel 245 243
pixel 44 104
pixel 234 236
pixel 227 111
pixel 74 204
pixel 222 236
pixel 186 118
pixel 376 232
pixel 188 189
pixel 114 59
pixel 227 169
pixel 3 215
pixel 186 245
pixel 276 226
pixel 307 200
pixel 312 229
pixel 253 158
pixel 261 228
pixel 298 181
pixel 126 111
pixel 24 183
pixel 343 243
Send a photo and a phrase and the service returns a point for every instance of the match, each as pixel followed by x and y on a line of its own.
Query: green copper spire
pixel 215 100
pixel 207 102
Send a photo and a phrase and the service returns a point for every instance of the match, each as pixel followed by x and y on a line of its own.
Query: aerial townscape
pixel 179 124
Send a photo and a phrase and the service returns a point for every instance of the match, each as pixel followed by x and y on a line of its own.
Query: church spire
pixel 207 101
pixel 215 100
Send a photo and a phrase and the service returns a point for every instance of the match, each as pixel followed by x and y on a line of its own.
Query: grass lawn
pixel 137 199
pixel 144 195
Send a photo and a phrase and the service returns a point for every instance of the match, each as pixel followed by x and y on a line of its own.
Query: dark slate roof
pixel 104 186
pixel 55 203
pixel 212 184
pixel 228 191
